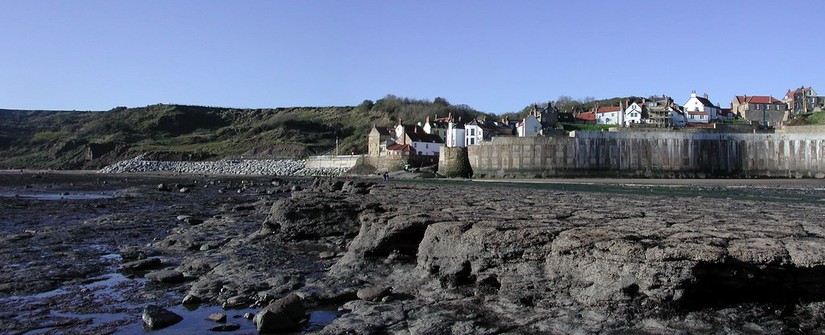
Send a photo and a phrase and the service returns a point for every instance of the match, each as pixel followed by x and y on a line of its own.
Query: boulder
pixel 217 317
pixel 165 276
pixel 156 317
pixel 374 293
pixel 284 314
pixel 142 264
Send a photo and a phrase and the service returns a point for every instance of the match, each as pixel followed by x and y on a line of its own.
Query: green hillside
pixel 76 140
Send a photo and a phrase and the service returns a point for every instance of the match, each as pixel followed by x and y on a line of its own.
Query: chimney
pixel 705 95
pixel 693 93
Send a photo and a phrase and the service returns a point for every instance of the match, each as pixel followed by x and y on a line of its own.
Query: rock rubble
pixel 283 167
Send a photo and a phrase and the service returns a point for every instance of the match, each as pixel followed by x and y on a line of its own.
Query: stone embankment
pixel 284 167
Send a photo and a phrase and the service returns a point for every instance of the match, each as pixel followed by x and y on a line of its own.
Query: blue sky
pixel 495 56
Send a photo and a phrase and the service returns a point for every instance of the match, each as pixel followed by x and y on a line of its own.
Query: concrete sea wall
pixel 654 155
pixel 332 162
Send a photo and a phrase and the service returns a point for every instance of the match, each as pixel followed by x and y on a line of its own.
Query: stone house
pixel 379 139
pixel 663 112
pixel 803 100
pixel 765 110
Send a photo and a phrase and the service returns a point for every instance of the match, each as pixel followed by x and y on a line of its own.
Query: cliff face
pixel 474 259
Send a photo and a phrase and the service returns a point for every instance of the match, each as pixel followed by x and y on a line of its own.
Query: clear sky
pixel 495 56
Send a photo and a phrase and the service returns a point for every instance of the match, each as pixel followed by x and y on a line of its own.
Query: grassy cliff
pixel 82 140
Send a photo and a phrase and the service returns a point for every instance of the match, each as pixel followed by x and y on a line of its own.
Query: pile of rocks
pixel 284 167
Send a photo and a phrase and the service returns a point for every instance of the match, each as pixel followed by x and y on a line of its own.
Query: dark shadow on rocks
pixel 725 284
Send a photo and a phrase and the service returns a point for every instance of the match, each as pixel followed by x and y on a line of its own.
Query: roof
pixel 385 131
pixel 793 92
pixel 608 109
pixel 589 116
pixel 757 99
pixel 705 101
pixel 424 137
pixel 413 128
pixel 481 124
pixel 400 147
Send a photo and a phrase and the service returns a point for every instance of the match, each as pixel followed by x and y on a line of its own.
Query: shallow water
pixel 194 321
pixel 60 195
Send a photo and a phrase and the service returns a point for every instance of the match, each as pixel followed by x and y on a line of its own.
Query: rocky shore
pixel 419 257
pixel 271 167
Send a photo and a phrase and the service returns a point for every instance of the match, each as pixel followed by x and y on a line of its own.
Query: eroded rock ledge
pixel 487 259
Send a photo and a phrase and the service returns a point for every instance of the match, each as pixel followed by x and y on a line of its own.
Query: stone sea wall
pixel 237 166
pixel 653 155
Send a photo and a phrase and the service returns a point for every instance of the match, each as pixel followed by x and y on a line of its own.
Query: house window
pixel 426 146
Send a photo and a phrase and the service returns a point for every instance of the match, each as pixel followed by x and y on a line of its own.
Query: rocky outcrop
pixel 548 264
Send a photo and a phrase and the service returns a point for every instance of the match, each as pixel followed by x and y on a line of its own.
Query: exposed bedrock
pixel 540 254
pixel 545 261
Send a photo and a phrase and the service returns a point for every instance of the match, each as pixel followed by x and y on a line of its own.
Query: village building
pixel 437 126
pixel 455 135
pixel 765 110
pixel 608 115
pixel 477 131
pixel 423 144
pixel 529 127
pixel 663 112
pixel 803 100
pixel 700 109
pixel 379 139
pixel 634 113
pixel 585 118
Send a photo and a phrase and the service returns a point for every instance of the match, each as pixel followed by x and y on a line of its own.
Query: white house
pixel 609 115
pixel 632 114
pixel 474 133
pixel 697 117
pixel 529 127
pixel 455 135
pixel 436 126
pixel 701 104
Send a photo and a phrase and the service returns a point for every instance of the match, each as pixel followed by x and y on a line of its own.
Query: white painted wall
pixel 529 127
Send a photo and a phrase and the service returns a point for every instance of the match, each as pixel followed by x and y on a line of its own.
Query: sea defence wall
pixel 652 155
pixel 332 162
